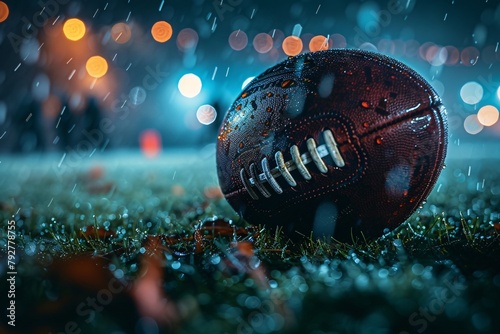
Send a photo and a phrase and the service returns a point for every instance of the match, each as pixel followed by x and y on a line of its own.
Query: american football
pixel 337 143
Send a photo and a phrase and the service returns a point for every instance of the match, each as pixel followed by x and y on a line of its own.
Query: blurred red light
pixel 150 141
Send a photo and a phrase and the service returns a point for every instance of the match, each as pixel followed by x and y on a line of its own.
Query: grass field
pixel 125 244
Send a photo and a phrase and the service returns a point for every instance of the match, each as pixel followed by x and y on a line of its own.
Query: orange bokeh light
pixel 262 43
pixel 292 45
pixel 150 142
pixel 121 33
pixel 4 11
pixel 318 43
pixel 488 115
pixel 161 31
pixel 238 40
pixel 74 29
pixel 96 66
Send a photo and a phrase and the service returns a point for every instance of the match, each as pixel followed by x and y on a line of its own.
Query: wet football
pixel 334 143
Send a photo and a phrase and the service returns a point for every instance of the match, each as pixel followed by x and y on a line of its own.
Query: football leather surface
pixel 334 143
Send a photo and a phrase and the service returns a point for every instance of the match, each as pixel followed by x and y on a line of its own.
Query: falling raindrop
pixel 137 95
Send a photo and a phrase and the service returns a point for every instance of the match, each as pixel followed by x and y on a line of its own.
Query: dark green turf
pixel 438 272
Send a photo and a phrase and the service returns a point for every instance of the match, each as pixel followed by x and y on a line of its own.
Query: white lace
pixel 283 168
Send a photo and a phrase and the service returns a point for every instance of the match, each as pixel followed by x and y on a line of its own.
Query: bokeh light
pixel 436 55
pixel 190 85
pixel 367 46
pixel 471 92
pixel 74 29
pixel 187 39
pixel 488 115
pixel 386 46
pixel 453 55
pixel 4 11
pixel 262 43
pixel 238 40
pixel 338 41
pixel 292 45
pixel 469 56
pixel 121 33
pixel 412 48
pixel 472 125
pixel 161 31
pixel 318 43
pixel 96 66
pixel 246 82
pixel 40 87
pixel 423 48
pixel 206 114
pixel 438 85
pixel 150 142
pixel 480 33
pixel 498 93
pixel 399 47
pixel 30 50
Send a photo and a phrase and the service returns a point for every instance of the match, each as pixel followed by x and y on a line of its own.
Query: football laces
pixel 315 154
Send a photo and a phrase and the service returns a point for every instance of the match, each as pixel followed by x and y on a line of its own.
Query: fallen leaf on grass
pixel 147 289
